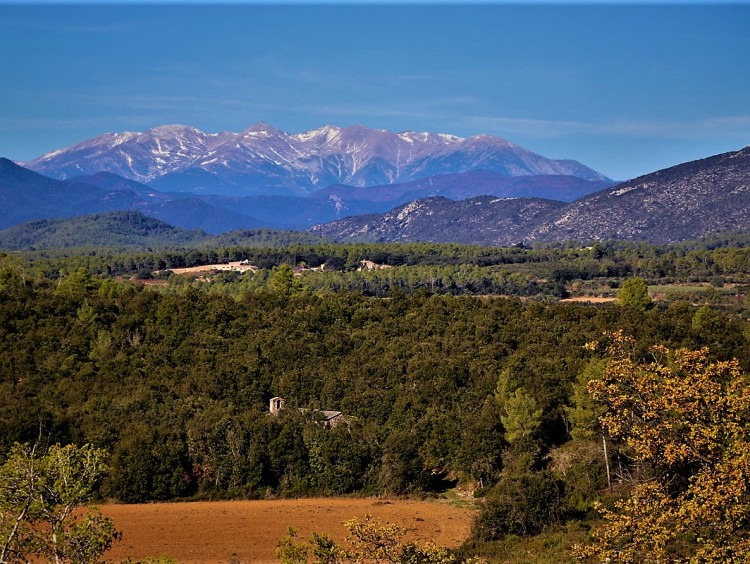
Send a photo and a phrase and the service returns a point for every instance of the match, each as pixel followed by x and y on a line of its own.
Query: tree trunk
pixel 606 462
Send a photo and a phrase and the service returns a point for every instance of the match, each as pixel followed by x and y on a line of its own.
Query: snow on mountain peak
pixel 491 140
pixel 447 138
pixel 326 133
pixel 430 138
pixel 265 158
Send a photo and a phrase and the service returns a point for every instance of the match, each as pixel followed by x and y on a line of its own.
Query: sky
pixel 624 88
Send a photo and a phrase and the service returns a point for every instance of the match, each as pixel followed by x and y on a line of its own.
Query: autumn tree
pixel 685 418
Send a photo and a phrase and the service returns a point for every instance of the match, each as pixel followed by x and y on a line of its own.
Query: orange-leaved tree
pixel 686 419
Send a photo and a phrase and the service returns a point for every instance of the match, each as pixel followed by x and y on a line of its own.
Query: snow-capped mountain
pixel 265 160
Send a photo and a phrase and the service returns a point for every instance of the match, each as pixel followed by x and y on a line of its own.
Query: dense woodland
pixel 442 379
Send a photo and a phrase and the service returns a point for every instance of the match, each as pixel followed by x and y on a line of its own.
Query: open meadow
pixel 248 531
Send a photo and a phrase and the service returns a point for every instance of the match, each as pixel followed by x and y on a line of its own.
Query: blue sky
pixel 625 89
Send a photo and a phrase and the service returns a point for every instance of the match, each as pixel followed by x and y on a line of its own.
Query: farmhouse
pixel 327 418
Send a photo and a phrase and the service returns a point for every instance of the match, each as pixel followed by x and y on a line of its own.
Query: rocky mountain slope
pixel 265 160
pixel 485 220
pixel 683 202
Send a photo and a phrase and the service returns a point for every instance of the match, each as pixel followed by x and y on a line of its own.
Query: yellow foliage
pixel 686 418
pixel 369 541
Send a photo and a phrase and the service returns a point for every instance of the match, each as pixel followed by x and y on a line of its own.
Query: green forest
pixel 456 365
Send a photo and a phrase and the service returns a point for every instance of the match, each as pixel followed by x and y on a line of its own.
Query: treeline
pixel 661 264
pixel 175 385
pixel 382 283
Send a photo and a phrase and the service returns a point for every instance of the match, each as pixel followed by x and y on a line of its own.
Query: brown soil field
pixel 248 531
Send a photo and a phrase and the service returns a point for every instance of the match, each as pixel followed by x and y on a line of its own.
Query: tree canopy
pixel 685 418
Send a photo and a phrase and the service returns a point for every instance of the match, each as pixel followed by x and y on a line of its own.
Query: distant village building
pixel 327 418
pixel 369 265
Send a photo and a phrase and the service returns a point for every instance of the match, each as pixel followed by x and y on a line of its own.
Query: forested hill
pixel 116 229
pixel 438 386
pixel 132 230
pixel 173 383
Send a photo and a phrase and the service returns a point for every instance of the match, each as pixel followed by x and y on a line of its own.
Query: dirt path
pixel 247 531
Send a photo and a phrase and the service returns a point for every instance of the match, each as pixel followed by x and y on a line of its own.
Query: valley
pixel 405 282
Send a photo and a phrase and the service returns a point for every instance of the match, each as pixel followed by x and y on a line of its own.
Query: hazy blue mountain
pixel 26 195
pixel 464 185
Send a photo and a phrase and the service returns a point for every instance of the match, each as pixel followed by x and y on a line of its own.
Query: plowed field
pixel 247 531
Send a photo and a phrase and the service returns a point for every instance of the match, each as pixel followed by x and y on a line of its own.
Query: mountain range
pixel 266 178
pixel 356 183
pixel 687 201
pixel 26 195
pixel 263 160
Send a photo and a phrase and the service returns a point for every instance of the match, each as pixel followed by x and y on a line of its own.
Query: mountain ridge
pixel 683 202
pixel 265 160
pixel 687 201
pixel 28 195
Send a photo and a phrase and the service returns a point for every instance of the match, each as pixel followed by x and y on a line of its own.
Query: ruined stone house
pixel 327 418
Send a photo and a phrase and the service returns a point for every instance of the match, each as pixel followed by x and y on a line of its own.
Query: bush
pixel 520 505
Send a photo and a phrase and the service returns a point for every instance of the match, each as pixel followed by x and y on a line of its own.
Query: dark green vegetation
pixel 174 380
pixel 131 230
pixel 114 229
